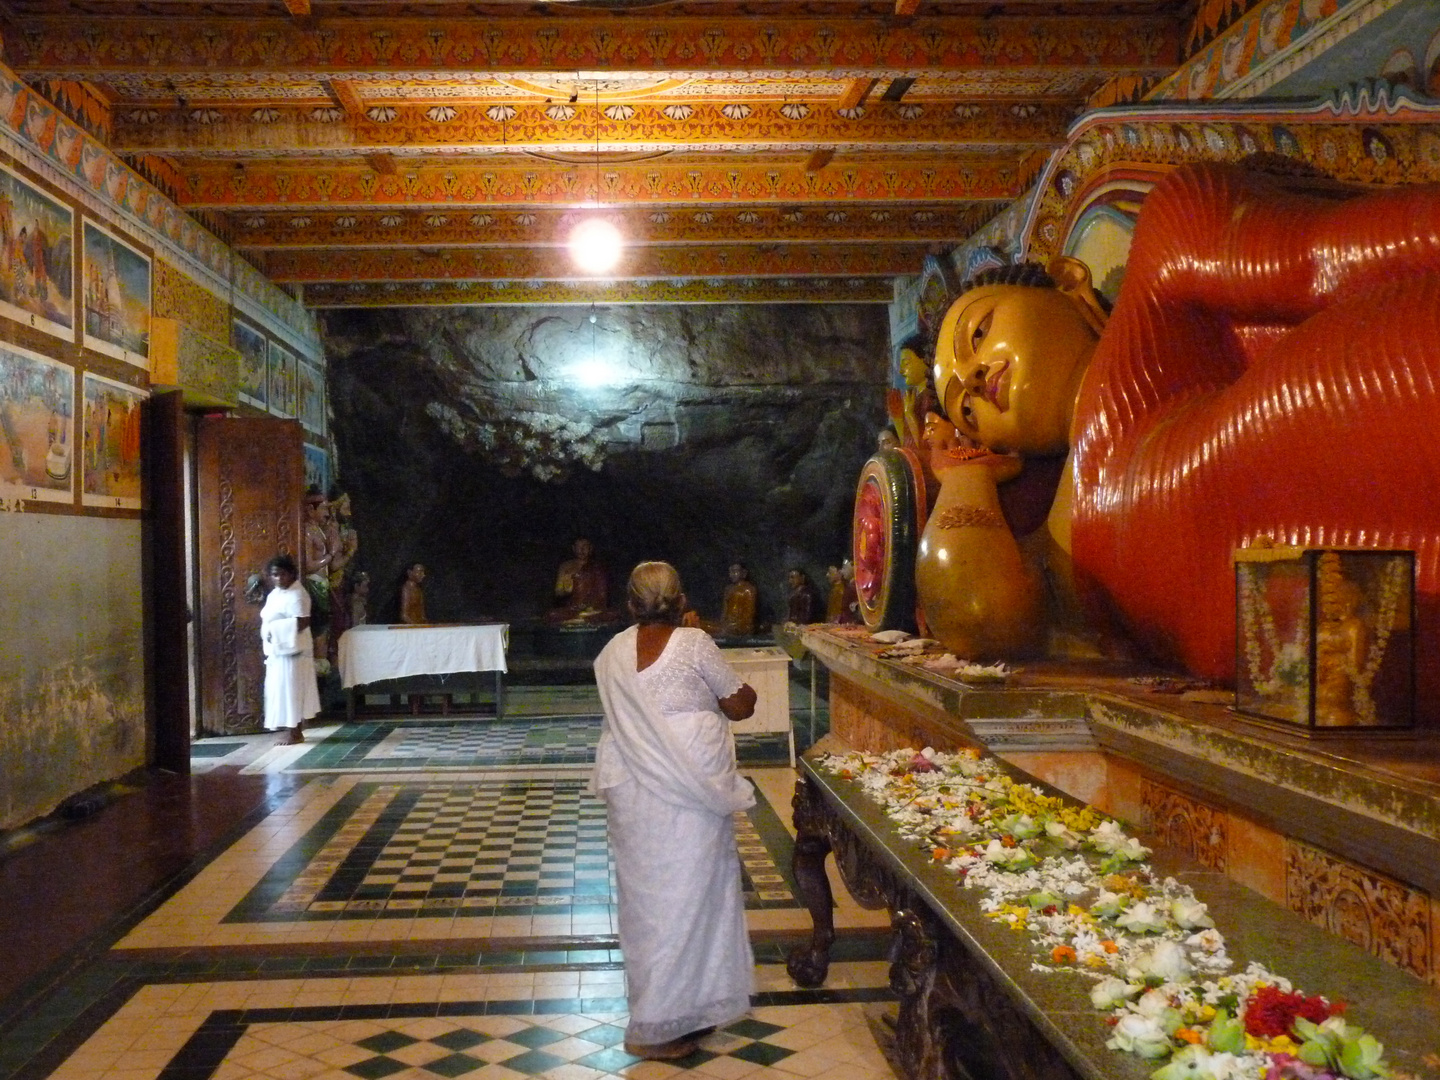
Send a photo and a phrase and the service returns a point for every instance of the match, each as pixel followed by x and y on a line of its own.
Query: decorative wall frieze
pixel 649 184
pixel 1367 135
pixel 36 133
pixel 84 48
pixel 556 263
pixel 1272 40
pixel 850 290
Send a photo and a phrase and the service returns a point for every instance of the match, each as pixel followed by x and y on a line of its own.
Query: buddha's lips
pixel 992 384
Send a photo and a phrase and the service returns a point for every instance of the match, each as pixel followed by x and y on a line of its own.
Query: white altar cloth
pixel 374 652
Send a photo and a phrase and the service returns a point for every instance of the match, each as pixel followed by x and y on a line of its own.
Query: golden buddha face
pixel 1008 365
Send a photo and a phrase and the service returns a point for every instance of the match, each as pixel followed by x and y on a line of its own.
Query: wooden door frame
pixel 165 588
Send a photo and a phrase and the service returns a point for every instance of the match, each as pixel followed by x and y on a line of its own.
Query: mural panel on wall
pixel 254 363
pixel 37 270
pixel 112 443
pixel 282 381
pixel 312 398
pixel 37 426
pixel 117 297
pixel 317 468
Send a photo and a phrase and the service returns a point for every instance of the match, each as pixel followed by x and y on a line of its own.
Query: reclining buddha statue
pixel 1270 373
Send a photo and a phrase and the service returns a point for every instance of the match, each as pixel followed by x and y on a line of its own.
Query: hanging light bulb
pixel 596 243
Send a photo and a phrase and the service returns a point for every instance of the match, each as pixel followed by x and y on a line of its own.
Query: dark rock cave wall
pixel 481 441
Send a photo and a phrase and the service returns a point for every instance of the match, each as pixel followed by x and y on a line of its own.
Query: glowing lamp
pixel 595 245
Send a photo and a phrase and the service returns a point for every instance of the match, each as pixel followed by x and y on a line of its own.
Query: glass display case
pixel 1324 637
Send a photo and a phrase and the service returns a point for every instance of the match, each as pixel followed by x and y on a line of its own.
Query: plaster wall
pixel 72 710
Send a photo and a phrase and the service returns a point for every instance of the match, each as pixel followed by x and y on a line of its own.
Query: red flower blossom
pixel 1270 1012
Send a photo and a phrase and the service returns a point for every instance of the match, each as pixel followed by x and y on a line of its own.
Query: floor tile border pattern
pixel 297 877
pixel 33 1050
pixel 217 1035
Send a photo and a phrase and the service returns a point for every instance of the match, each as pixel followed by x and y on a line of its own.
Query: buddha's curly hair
pixel 1022 273
pixel 1030 274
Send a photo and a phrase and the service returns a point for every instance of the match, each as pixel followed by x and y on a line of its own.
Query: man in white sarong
pixel 665 766
pixel 292 695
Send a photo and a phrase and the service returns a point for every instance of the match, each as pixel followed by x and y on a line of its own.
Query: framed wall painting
pixel 282 381
pixel 311 382
pixel 37 427
pixel 317 468
pixel 112 443
pixel 37 257
pixel 116 297
pixel 254 362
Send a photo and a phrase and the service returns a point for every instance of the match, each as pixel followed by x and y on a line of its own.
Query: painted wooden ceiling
pixel 442 151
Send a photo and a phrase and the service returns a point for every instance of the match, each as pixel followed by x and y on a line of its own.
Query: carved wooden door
pixel 249 488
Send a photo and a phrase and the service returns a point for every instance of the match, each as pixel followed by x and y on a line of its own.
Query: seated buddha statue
pixel 1271 368
pixel 582 588
pixel 738 616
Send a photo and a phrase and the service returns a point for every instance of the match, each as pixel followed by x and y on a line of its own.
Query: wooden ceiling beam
pixel 235 132
pixel 68 46
pixel 922 223
pixel 819 158
pixel 906 7
pixel 727 290
pixel 298 7
pixel 347 97
pixel 556 264
pixel 855 93
pixel 218 186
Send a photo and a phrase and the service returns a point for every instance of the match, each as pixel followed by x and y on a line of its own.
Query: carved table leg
pixel 808 964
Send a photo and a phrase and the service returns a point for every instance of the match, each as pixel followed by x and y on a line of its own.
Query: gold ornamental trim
pixel 89 47
pixel 965 517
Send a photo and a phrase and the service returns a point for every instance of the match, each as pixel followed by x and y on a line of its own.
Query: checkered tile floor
pixel 482 744
pixel 504 1047
pixel 453 1048
pixel 476 849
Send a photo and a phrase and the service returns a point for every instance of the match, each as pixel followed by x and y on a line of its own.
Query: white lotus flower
pixel 1110 992
pixel 1166 961
pixel 1108 836
pixel 1142 918
pixel 1152 1004
pixel 1211 941
pixel 1190 914
pixel 1140 1035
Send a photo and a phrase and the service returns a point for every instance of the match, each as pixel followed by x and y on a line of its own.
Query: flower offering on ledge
pixel 1079 886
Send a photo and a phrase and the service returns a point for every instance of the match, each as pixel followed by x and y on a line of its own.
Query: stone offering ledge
pixel 1344 832
pixel 970 995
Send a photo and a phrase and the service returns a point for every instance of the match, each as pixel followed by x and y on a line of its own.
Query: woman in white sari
pixel 665 766
pixel 291 693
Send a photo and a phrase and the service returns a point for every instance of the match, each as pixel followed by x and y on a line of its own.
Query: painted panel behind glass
pixel 117 297
pixel 112 443
pixel 282 380
pixel 37 257
pixel 254 363
pixel 37 426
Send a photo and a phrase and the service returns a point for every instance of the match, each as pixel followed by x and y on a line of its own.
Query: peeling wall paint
pixel 72 701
